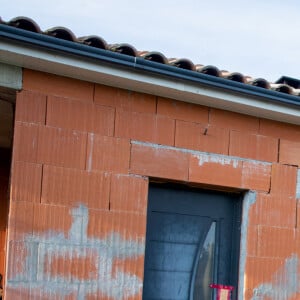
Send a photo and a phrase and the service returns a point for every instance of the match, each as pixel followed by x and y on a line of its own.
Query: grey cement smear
pixel 43 249
pixel 284 283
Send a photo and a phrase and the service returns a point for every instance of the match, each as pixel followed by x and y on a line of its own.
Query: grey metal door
pixel 192 241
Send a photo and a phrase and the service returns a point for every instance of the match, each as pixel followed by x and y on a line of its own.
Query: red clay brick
pixel 289 153
pixel 20 222
pixel 283 180
pixel 25 142
pixel 145 127
pixel 133 265
pixel 70 187
pixel 67 113
pixel 298 214
pixel 26 181
pixel 108 153
pixel 215 170
pixel 57 85
pixel 199 137
pixel 273 210
pixel 182 111
pixel 62 147
pixel 159 162
pixel 275 242
pixel 48 219
pixel 17 254
pixel 31 107
pixel 73 267
pixel 279 130
pixel 232 120
pixel 253 146
pixel 125 99
pixel 256 176
pixel 260 270
pixel 252 239
pixel 17 293
pixel 129 193
pixel 128 225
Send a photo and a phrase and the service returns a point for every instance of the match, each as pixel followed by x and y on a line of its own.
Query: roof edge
pixel 49 54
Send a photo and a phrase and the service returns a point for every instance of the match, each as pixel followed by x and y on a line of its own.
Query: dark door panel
pixel 192 238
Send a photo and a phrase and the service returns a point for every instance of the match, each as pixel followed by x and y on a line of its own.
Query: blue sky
pixel 257 38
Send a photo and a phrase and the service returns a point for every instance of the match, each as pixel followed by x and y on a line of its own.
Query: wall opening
pixel 7 107
pixel 192 241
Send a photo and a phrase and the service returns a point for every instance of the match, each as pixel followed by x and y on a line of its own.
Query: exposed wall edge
pixel 249 199
pixel 10 76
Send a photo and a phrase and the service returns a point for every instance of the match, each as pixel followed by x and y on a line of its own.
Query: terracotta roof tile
pixel 283 85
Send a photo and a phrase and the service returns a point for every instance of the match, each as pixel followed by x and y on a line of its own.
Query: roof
pixel 284 85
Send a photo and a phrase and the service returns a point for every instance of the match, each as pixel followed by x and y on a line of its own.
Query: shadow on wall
pixel 44 251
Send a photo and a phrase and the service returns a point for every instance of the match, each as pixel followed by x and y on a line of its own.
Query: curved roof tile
pixel 26 23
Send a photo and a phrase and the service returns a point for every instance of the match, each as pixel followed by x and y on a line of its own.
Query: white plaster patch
pixel 298 184
pixel 283 285
pixel 216 159
pixel 44 249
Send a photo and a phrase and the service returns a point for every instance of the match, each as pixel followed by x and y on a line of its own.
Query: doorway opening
pixel 7 108
pixel 192 241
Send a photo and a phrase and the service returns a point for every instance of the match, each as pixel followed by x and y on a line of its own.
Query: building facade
pixel 126 178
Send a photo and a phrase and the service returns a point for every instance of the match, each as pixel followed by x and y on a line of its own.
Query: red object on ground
pixel 223 291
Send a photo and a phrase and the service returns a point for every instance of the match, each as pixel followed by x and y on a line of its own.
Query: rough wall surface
pixel 82 158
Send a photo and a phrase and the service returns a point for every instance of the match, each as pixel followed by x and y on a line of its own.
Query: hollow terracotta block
pixel 215 170
pixel 17 255
pixel 17 293
pixel 57 85
pixel 256 176
pixel 125 99
pixel 233 121
pixel 30 107
pixel 298 216
pixel 20 222
pixel 145 127
pixel 129 193
pixel 25 142
pixel 252 239
pixel 272 209
pixel 26 181
pixel 279 130
pixel 283 180
pixel 260 270
pixel 182 111
pixel 253 146
pixel 70 114
pixel 107 154
pixel 134 265
pixel 276 242
pixel 289 152
pixel 199 137
pixel 61 147
pixel 73 267
pixel 70 187
pixel 159 162
pixel 49 219
pixel 127 225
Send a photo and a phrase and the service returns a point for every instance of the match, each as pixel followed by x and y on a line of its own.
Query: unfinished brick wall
pixel 82 159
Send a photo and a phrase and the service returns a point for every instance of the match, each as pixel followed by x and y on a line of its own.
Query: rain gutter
pixel 37 51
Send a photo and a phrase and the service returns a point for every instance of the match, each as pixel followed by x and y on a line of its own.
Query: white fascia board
pixel 114 75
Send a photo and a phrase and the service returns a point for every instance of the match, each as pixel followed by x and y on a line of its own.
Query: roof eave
pixel 48 54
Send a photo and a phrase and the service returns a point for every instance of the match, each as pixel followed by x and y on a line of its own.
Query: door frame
pixel 247 198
